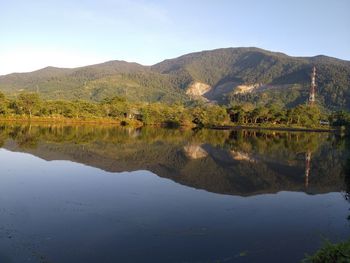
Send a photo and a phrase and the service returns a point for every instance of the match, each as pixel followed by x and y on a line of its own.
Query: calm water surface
pixel 102 194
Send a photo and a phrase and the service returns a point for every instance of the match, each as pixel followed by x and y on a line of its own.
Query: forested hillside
pixel 226 76
pixel 272 77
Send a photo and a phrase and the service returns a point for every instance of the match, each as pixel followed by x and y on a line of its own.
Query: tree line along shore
pixel 119 111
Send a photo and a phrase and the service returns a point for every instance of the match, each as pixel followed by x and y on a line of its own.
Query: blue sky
pixel 39 33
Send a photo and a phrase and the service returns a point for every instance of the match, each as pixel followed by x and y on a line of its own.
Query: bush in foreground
pixel 337 253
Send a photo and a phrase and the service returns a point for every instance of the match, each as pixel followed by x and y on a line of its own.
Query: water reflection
pixel 281 194
pixel 244 162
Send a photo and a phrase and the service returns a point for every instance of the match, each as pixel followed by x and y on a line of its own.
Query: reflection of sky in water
pixel 68 212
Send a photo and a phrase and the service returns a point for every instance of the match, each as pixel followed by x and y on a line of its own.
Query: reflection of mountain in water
pixel 239 162
pixel 195 151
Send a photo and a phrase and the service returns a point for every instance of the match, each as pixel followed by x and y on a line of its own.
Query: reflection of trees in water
pixel 319 153
pixel 242 143
pixel 235 162
pixel 276 145
pixel 85 134
pixel 307 167
pixel 347 176
pixel 24 137
pixel 246 140
pixel 3 136
pixel 347 180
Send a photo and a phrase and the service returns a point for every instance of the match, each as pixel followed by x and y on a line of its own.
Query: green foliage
pixel 3 104
pixel 285 79
pixel 94 83
pixel 27 103
pixel 339 253
pixel 174 115
pixel 209 115
pixel 302 115
pixel 285 96
pixel 249 65
pixel 116 107
pixel 340 118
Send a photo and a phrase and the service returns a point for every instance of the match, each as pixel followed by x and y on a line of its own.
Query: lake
pixel 107 194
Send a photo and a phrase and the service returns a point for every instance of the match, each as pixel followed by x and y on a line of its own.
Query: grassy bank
pixel 337 253
pixel 136 124
pixel 278 128
pixel 117 111
pixel 64 120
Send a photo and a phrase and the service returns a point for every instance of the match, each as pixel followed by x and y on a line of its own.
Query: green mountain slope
pixel 95 82
pixel 230 75
pixel 273 77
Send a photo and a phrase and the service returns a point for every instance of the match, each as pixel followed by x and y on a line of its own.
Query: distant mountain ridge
pixel 228 75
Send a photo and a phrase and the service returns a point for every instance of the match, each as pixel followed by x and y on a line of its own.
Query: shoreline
pixel 304 129
pixel 137 124
pixel 68 121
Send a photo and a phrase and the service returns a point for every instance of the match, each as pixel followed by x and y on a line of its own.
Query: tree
pixel 340 118
pixel 237 114
pixel 115 107
pixel 3 104
pixel 28 102
pixel 260 113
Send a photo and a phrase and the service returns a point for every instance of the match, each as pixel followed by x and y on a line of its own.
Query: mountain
pixel 95 82
pixel 229 75
pixel 260 76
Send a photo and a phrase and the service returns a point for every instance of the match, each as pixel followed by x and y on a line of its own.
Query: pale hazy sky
pixel 68 33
